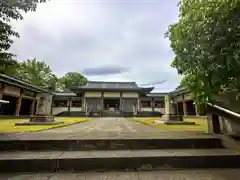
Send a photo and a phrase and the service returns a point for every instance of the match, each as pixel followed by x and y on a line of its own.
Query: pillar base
pixel 40 120
pixel 173 119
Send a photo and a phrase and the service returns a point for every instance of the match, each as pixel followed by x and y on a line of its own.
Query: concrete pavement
pixel 106 128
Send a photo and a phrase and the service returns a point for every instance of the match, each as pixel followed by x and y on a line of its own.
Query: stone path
pixel 210 174
pixel 102 128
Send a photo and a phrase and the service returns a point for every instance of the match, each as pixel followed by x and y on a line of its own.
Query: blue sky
pixel 107 40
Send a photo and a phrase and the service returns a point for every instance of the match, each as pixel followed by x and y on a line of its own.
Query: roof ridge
pixel 122 82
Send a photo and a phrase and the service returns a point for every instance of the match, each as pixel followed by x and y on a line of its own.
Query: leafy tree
pixel 206 42
pixel 72 79
pixel 8 66
pixel 37 73
pixel 11 10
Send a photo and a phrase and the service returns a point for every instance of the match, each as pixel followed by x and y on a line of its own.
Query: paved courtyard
pixel 212 174
pixel 102 128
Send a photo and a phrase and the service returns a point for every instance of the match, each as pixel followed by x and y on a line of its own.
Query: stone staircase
pixel 29 155
pixel 108 113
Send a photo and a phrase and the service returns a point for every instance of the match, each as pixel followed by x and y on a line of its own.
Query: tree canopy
pixel 40 74
pixel 72 79
pixel 37 73
pixel 11 10
pixel 206 42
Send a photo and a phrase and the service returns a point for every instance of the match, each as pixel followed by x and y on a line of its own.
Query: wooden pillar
pixel 2 86
pixel 69 104
pixel 138 104
pixel 102 103
pixel 153 104
pixel 121 102
pixel 1 90
pixel 19 103
pixel 32 110
pixel 84 102
pixel 185 111
pixel 196 110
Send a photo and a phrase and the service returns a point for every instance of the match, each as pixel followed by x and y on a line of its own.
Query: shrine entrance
pixel 111 104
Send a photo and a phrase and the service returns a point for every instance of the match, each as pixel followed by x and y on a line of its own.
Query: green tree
pixel 206 42
pixel 37 73
pixel 8 66
pixel 72 79
pixel 11 10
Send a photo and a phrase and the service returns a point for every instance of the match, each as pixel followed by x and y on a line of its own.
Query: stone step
pixel 183 174
pixel 109 144
pixel 54 161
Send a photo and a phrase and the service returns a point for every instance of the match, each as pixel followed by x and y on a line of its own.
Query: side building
pixel 22 97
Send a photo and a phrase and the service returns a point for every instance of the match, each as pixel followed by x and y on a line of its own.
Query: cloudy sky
pixel 109 40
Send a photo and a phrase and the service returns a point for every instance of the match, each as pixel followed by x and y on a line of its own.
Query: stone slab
pixel 39 123
pixel 41 118
pixel 52 161
pixel 148 153
pixel 19 155
pixel 172 117
pixel 110 144
pixel 174 122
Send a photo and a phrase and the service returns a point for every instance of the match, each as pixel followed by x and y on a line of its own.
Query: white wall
pixel 149 109
pixel 162 110
pixel 130 94
pixel 93 94
pixel 57 110
pixel 11 90
pixel 111 94
pixel 75 109
pixel 146 109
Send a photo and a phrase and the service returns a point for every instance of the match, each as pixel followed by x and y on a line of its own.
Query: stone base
pixel 41 118
pixel 174 122
pixel 38 123
pixel 173 119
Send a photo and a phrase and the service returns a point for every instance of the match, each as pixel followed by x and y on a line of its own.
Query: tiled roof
pixel 109 85
pixel 180 90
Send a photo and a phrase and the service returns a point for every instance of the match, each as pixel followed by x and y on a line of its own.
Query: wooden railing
pixel 219 118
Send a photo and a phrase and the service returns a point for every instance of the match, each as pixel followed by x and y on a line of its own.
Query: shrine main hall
pixel 96 98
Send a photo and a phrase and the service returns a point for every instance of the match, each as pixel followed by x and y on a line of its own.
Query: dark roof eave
pixel 181 91
pixel 10 80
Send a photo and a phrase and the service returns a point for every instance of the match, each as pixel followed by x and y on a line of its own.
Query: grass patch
pixel 8 125
pixel 200 124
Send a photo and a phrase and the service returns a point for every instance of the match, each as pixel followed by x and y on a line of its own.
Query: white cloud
pixel 72 35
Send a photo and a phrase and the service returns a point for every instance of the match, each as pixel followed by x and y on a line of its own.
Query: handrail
pixel 216 112
pixel 224 110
